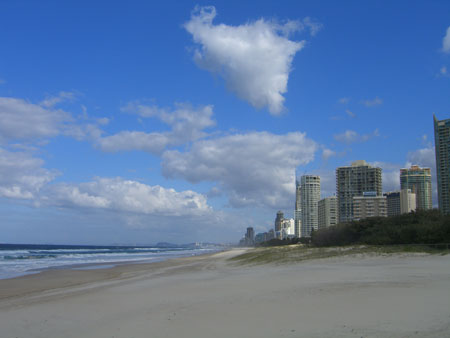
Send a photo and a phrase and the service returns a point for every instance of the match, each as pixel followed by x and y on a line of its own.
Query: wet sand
pixel 207 296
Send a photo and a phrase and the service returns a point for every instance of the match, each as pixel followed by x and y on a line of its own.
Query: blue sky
pixel 141 122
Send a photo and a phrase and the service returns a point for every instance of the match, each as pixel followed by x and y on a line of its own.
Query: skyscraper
pixel 250 236
pixel 442 150
pixel 310 196
pixel 353 181
pixel 298 209
pixel 327 209
pixel 278 224
pixel 408 201
pixel 418 180
pixel 393 203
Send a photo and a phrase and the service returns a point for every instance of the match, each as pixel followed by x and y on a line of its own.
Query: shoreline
pixel 397 295
pixel 67 277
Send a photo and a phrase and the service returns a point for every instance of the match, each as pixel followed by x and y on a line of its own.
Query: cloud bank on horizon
pixel 254 59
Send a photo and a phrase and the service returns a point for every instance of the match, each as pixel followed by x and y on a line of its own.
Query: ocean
pixel 22 259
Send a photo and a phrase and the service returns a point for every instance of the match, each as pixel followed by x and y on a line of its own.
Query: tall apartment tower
pixel 298 209
pixel 393 203
pixel 442 150
pixel 310 196
pixel 408 201
pixel 353 181
pixel 278 223
pixel 418 180
pixel 327 209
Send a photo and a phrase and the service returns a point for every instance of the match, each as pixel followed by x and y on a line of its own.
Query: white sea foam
pixel 22 261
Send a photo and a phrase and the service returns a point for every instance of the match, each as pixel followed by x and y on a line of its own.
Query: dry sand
pixel 206 296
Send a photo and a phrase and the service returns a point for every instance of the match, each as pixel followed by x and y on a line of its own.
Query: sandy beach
pixel 399 295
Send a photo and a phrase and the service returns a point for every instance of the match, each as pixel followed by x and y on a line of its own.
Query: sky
pixel 141 121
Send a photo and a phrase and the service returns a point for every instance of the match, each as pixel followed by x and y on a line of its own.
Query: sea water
pixel 18 259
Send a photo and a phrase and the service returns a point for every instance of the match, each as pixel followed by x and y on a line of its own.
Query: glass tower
pixel 442 150
pixel 418 180
pixel 310 196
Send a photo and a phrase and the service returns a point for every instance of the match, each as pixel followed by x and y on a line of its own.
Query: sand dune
pixel 206 296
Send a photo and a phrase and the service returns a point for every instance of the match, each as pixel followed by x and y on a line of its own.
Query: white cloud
pixel 350 113
pixel 313 26
pixel 21 120
pixel 21 175
pixel 2 81
pixel 187 124
pixel 390 175
pixel 117 194
pixel 424 157
pixel 257 168
pixel 370 103
pixel 446 41
pixel 254 58
pixel 344 100
pixel 153 143
pixel 327 153
pixel 62 96
pixel 351 136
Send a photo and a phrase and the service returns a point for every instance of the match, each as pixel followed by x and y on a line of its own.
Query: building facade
pixel 298 209
pixel 418 180
pixel 327 209
pixel 408 201
pixel 279 220
pixel 353 181
pixel 250 236
pixel 310 196
pixel 393 203
pixel 442 150
pixel 369 205
pixel 288 228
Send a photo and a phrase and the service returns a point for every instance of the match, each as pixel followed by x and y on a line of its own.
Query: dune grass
pixel 296 253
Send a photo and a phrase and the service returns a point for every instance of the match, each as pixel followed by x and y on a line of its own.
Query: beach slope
pixel 397 295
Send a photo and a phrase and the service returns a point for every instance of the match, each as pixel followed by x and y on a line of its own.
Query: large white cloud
pixel 254 58
pixel 446 41
pixel 256 168
pixel 117 194
pixel 187 124
pixel 21 120
pixel 22 175
pixel 424 157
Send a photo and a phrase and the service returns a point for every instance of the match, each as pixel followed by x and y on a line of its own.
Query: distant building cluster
pixel 359 195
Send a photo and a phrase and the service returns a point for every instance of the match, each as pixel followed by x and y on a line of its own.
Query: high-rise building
pixel 250 236
pixel 408 201
pixel 418 180
pixel 393 203
pixel 369 205
pixel 353 181
pixel 327 209
pixel 288 228
pixel 442 150
pixel 278 224
pixel 310 196
pixel 298 209
pixel 278 220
